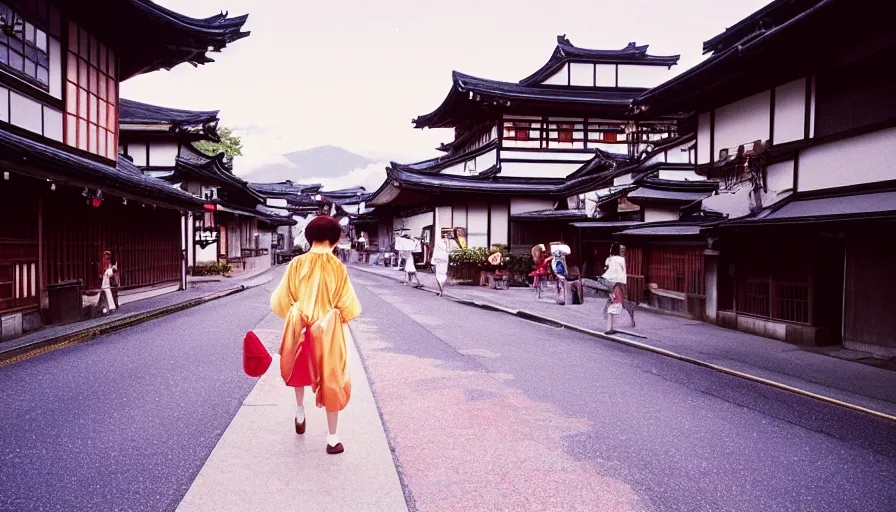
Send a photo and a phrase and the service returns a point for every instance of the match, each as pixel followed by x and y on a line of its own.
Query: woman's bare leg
pixel 300 401
pixel 332 421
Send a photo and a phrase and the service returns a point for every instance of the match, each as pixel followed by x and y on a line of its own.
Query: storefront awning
pixel 844 207
pixel 668 229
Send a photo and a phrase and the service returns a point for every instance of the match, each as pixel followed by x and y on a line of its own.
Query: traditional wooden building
pixel 236 227
pixel 797 128
pixel 654 208
pixel 65 194
pixel 295 200
pixel 523 150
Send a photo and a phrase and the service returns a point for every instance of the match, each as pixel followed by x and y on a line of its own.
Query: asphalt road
pixel 483 412
pixel 490 412
pixel 125 422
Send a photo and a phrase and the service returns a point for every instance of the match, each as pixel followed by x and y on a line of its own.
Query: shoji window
pixel 91 120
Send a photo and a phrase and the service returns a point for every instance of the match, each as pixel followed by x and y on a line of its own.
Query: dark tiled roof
pixel 766 18
pixel 68 167
pixel 605 224
pixel 434 165
pixel 671 229
pixel 497 185
pixel 137 112
pixel 148 37
pixel 761 50
pixel 565 52
pixel 550 215
pixel 645 194
pixel 273 216
pixel 825 208
pixel 284 188
pixel 458 106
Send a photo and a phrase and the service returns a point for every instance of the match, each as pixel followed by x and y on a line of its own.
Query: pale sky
pixel 354 74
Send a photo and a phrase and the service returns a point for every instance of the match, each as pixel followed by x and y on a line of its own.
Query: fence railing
pixel 677 269
pixel 778 300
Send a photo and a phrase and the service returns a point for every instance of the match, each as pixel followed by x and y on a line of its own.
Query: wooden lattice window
pixel 91 116
pixel 521 130
pixel 564 132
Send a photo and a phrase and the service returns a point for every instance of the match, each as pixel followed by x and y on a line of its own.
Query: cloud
pixel 370 177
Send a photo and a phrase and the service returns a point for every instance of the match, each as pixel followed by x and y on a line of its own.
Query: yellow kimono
pixel 316 298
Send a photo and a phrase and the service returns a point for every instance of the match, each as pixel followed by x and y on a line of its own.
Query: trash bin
pixel 65 302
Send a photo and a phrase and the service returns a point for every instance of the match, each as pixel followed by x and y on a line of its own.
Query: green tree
pixel 230 144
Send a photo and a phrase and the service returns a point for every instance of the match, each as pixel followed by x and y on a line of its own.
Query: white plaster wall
pixel 535 170
pixel 500 223
pixel 55 54
pixel 642 76
pixel 52 124
pixel 559 78
pixel 529 204
pixel 742 122
pixel 812 109
pixel 443 220
pixel 581 74
pixel 540 155
pixel 780 182
pixel 4 104
pixel 162 154
pixel 207 255
pixel 619 148
pixel 863 159
pixel 703 135
pixel 680 175
pixel 25 112
pixel 659 213
pixel 790 111
pixel 679 154
pixel 137 151
pixel 275 202
pixel 414 223
pixel 623 180
pixel 734 204
pixel 477 224
pixel 472 166
pixel 459 214
pixel 456 170
pixel 606 75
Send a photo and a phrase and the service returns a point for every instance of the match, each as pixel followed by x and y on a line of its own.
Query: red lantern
pixel 96 202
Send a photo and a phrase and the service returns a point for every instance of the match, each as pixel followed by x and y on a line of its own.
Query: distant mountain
pixel 319 162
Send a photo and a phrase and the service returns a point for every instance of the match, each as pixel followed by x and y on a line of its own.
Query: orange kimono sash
pixel 315 354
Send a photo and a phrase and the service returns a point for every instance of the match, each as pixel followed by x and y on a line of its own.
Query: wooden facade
pixel 144 241
pixel 66 195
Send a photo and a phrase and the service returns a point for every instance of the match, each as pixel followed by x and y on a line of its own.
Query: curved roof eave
pixel 566 52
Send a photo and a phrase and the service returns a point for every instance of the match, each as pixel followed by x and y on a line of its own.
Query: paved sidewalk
pixel 847 381
pixel 129 314
pixel 261 464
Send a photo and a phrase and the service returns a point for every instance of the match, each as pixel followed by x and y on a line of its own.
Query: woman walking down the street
pixel 615 277
pixel 440 261
pixel 317 300
pixel 109 273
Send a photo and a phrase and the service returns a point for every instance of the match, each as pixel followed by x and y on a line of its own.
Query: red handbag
pixel 256 359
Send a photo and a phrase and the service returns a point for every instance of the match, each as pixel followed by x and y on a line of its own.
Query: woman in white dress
pixel 440 262
pixel 616 277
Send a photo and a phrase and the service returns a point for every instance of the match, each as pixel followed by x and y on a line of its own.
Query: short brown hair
pixel 323 229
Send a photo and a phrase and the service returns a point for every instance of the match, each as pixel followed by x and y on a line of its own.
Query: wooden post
pixel 41 274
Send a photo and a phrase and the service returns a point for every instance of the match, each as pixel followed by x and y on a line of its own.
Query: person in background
pixel 440 259
pixel 317 300
pixel 615 277
pixel 115 281
pixel 106 302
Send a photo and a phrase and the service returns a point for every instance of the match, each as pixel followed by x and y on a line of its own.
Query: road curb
pixel 656 350
pixel 51 344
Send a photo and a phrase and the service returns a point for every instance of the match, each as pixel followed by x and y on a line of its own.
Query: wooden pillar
pixel 41 273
